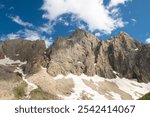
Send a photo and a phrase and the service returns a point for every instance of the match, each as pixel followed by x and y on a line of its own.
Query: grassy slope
pixel 19 90
pixel 145 97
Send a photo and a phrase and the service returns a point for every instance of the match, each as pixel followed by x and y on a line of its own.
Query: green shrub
pixel 19 91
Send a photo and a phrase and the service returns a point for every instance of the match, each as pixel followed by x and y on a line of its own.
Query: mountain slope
pixel 79 66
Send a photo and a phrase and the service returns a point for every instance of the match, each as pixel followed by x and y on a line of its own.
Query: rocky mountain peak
pixel 124 41
pixel 81 35
pixel 82 53
pixel 122 33
pixel 124 37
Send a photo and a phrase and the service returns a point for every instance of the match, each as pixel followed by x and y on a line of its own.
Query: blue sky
pixel 48 19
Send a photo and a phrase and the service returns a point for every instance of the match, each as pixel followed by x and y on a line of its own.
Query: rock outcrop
pixel 83 53
pixel 25 50
pixel 142 63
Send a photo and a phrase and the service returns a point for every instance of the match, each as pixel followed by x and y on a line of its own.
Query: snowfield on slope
pixel 131 87
pixel 85 87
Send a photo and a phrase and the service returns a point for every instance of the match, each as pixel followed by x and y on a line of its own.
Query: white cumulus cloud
pixel 148 40
pixel 92 12
pixel 19 21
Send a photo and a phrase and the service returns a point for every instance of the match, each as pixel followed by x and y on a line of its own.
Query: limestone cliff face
pixel 122 51
pixel 83 53
pixel 74 54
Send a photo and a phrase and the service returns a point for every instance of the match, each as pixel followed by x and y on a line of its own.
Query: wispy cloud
pixel 97 34
pixel 11 8
pixel 19 21
pixel 148 41
pixel 134 20
pixel 94 13
pixel 28 35
pixel 2 6
pixel 12 36
pixel 114 3
pixel 46 27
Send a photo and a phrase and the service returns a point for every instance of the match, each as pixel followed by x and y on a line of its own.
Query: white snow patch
pixel 132 87
pixel 95 78
pixel 136 49
pixel 79 62
pixel 8 61
pixel 80 87
pixel 115 95
pixel 60 76
pixel 115 72
pixel 45 52
pixel 17 54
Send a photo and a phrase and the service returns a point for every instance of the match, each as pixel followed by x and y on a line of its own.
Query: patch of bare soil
pixel 49 85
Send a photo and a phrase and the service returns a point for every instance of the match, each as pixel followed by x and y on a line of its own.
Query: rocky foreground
pixel 79 66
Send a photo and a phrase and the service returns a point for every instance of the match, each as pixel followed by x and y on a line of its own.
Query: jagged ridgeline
pixel 83 53
pixel 80 53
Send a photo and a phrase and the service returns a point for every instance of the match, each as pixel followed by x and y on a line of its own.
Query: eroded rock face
pixel 1 51
pixel 7 73
pixel 75 54
pixel 122 51
pixel 25 50
pixel 83 53
pixel 142 62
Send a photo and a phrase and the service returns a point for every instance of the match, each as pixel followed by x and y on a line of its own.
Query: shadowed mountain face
pixel 25 50
pixel 83 53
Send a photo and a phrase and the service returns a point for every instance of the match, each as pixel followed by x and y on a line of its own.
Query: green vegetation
pixel 39 94
pixel 19 91
pixel 145 97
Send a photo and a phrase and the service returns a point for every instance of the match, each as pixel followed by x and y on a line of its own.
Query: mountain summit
pixel 84 53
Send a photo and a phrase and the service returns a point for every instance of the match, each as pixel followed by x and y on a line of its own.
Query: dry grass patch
pixel 39 94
